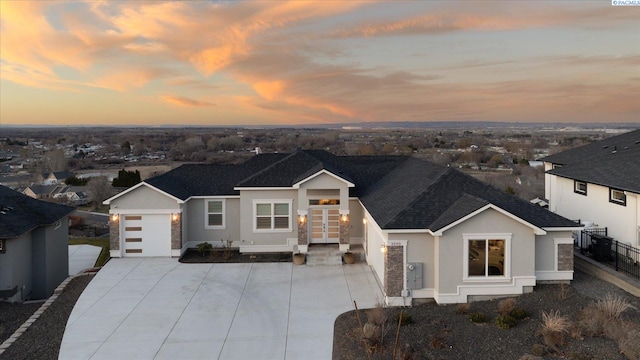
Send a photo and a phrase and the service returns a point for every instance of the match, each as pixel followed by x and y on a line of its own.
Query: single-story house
pixel 34 246
pixel 55 177
pixel 427 231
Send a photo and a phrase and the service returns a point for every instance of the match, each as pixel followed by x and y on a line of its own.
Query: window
pixel 324 202
pixel 486 256
pixel 556 166
pixel 214 211
pixel 2 249
pixel 617 197
pixel 580 187
pixel 272 215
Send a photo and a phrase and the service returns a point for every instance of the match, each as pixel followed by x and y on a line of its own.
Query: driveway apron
pixel 158 308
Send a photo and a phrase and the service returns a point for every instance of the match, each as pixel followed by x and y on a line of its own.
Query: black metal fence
pixel 622 257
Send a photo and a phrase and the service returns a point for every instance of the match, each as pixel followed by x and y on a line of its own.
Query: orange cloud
pixel 184 102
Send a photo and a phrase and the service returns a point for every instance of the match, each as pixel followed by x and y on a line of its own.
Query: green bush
pixel 204 248
pixel 518 314
pixel 478 317
pixel 406 318
pixel 506 322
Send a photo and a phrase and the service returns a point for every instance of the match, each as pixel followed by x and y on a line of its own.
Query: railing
pixel 622 257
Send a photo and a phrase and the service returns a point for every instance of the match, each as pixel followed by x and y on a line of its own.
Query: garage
pixel 146 235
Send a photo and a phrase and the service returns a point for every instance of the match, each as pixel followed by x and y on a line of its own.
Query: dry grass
pixel 506 306
pixel 630 345
pixel 463 308
pixel 554 327
pixel 590 320
pixel 612 306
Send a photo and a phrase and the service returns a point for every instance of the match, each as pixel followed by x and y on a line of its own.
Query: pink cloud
pixel 184 101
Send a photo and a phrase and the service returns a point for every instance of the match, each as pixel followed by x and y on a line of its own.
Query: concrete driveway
pixel 153 308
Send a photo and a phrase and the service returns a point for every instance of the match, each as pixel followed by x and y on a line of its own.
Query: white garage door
pixel 147 235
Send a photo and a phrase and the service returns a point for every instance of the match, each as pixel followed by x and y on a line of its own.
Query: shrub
pixel 554 327
pixel 204 248
pixel 590 321
pixel 406 318
pixel 463 308
pixel 377 315
pixel 630 345
pixel 505 322
pixel 518 314
pixel 478 317
pixel 506 306
pixel 612 306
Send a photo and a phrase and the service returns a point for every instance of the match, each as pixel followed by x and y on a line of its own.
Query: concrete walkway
pixel 82 257
pixel 156 308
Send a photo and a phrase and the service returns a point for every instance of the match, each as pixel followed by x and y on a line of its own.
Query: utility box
pixel 414 276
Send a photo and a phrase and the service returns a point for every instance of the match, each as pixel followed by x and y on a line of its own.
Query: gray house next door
pixel 325 224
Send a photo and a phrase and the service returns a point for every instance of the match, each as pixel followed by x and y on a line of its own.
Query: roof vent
pixel 5 209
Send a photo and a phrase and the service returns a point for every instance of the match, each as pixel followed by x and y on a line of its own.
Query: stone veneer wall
pixel 393 271
pixel 303 232
pixel 114 233
pixel 344 231
pixel 176 233
pixel 565 257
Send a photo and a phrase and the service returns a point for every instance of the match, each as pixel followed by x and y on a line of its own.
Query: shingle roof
pixel 400 192
pixel 19 213
pixel 613 162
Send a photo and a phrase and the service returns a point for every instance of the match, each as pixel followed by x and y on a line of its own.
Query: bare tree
pixel 55 160
pixel 99 189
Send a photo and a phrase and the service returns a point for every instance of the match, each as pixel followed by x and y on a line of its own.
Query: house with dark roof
pixel 55 177
pixel 427 231
pixel 599 184
pixel 34 240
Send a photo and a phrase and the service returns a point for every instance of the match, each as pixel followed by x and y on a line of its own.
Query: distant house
pixel 55 177
pixel 41 191
pixel 599 183
pixel 34 240
pixel 428 232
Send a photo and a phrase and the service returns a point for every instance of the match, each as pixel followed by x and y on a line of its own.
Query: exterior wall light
pixel 344 218
pixel 364 221
pixel 383 248
pixel 302 219
pixel 114 217
pixel 174 217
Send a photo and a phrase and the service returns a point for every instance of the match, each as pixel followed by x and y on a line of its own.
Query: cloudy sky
pixel 303 62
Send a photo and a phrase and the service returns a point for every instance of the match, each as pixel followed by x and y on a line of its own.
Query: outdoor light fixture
pixel 114 217
pixel 174 217
pixel 302 219
pixel 383 248
pixel 345 217
pixel 364 221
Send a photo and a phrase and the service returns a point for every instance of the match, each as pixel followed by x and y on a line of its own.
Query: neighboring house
pixel 41 191
pixel 34 246
pixel 427 231
pixel 55 177
pixel 72 195
pixel 599 183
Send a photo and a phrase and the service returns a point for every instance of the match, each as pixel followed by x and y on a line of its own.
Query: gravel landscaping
pixel 42 339
pixel 442 332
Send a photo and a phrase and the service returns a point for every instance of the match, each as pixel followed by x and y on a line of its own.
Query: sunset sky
pixel 302 62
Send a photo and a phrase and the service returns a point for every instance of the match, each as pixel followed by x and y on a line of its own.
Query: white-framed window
pixel 487 256
pixel 214 214
pixel 2 248
pixel 580 187
pixel 272 215
pixel 617 197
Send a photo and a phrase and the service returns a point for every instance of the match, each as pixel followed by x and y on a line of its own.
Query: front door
pixel 325 225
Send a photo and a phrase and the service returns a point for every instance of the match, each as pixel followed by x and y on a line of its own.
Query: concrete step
pixel 324 255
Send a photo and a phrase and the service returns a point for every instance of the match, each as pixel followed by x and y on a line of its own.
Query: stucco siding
pixel 144 197
pixel 326 182
pixel 15 266
pixel 356 215
pixel 519 259
pixel 622 221
pixel 249 236
pixel 420 249
pixel 197 231
pixel 375 239
pixel 545 249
